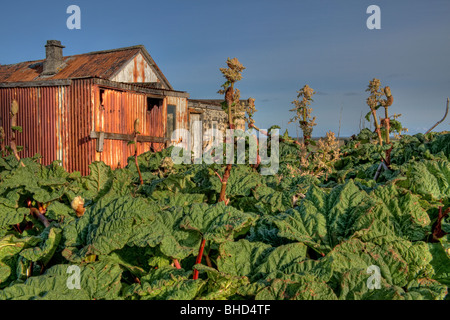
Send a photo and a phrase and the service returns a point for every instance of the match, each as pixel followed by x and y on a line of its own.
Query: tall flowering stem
pixel 386 103
pixel 373 101
pixel 376 101
pixel 231 105
pixel 250 110
pixel 303 112
pixel 13 112
pixel 135 136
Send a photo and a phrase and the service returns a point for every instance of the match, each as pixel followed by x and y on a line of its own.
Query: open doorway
pixel 196 131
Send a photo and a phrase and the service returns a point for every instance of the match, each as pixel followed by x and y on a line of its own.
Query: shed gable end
pixel 136 70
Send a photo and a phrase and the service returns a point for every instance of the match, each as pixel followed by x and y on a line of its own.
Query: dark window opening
pixel 153 102
pixel 171 120
pixel 102 97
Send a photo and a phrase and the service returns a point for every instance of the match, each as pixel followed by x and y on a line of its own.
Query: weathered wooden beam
pixel 101 136
pixel 39 83
pixel 140 89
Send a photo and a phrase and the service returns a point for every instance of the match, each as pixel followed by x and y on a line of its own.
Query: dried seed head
pixel 136 125
pixel 374 87
pixel 372 102
pixel 233 72
pixel 307 92
pixel 250 110
pixel 14 107
pixel 235 64
pixel 390 99
pixel 78 205
pixel 167 163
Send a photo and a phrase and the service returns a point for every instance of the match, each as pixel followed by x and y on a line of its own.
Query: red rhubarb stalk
pixel 199 258
pixel 177 264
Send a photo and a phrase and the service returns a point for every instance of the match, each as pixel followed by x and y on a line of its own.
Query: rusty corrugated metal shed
pixel 62 115
pixel 99 64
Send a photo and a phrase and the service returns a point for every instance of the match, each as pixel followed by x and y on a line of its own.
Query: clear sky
pixel 284 45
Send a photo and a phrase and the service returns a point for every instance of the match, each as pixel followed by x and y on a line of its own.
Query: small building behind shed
pixel 212 117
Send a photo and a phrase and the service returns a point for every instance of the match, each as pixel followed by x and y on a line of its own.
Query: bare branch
pixel 437 123
pixel 381 166
pixel 35 212
pixel 218 176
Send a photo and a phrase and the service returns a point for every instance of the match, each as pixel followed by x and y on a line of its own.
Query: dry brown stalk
pixel 440 121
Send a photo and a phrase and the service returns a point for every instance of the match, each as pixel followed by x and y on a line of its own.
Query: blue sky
pixel 284 45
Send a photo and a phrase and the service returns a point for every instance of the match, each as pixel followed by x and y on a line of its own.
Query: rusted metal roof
pixel 99 64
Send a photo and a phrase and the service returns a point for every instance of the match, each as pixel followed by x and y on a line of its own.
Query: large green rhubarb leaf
pixel 324 220
pixel 166 283
pixel 218 222
pixel 428 178
pixel 164 230
pixel 304 288
pixel 354 286
pixel 44 183
pixel 98 182
pixel 441 144
pixel 97 280
pixel 440 263
pixel 398 215
pixel 258 261
pixel 10 246
pixel 240 183
pixel 220 285
pixel 108 226
pixel 49 239
pixel 399 262
pixel 242 257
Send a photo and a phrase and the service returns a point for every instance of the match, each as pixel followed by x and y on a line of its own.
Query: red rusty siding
pixel 37 113
pixel 62 138
pixel 80 148
pixel 117 114
pixel 57 122
pixel 156 123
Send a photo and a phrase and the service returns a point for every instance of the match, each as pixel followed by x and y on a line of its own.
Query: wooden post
pixel 100 142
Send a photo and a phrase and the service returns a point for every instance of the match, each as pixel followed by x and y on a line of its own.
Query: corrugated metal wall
pixel 36 116
pixel 57 122
pixel 78 123
pixel 182 119
pixel 116 112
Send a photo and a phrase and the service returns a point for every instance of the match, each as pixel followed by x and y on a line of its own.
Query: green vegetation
pixel 314 230
pixel 279 237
